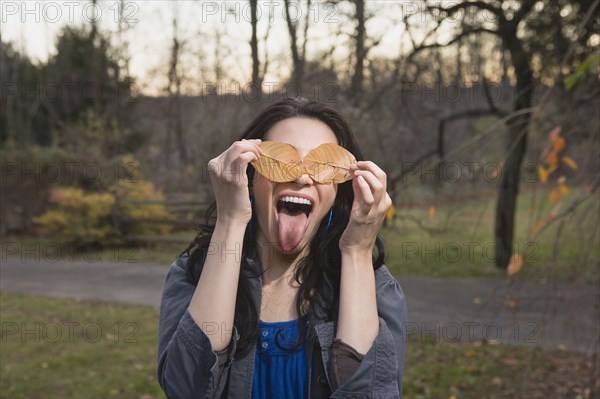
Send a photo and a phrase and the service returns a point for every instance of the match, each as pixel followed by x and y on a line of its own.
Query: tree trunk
pixel 174 122
pixel 517 144
pixel 358 77
pixel 298 64
pixel 254 46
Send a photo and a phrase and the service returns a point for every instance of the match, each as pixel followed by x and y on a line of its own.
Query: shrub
pixel 131 206
pixel 80 218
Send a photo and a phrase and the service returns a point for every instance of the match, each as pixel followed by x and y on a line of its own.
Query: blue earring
pixel 328 223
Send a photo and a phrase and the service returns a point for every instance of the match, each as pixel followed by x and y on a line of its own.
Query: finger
pixel 377 187
pixel 255 142
pixel 246 158
pixel 243 160
pixel 240 147
pixel 362 194
pixel 373 168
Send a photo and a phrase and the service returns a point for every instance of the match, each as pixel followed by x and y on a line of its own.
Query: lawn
pixel 67 348
pixel 110 352
pixel 457 240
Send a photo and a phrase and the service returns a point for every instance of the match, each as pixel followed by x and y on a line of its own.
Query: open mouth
pixel 293 215
pixel 294 206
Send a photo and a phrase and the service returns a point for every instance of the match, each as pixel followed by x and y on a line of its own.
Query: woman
pixel 285 294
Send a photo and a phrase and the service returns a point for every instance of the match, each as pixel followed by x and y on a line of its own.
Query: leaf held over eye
pixel 279 162
pixel 320 165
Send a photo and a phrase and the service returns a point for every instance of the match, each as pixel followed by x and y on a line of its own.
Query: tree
pixel 521 27
pixel 298 53
pixel 22 119
pixel 256 81
pixel 175 124
pixel 86 74
pixel 356 84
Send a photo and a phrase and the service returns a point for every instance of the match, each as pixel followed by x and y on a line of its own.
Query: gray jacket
pixel 188 367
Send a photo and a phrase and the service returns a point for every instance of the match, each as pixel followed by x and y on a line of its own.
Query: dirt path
pixel 439 308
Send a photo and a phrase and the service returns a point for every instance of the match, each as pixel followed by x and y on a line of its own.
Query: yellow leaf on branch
pixel 570 162
pixel 564 190
pixel 390 213
pixel 542 173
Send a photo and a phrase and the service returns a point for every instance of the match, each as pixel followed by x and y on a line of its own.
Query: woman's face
pixel 289 214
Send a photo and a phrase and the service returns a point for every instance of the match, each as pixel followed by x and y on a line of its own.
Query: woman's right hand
pixel 230 182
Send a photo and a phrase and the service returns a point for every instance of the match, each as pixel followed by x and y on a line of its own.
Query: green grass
pixel 483 370
pixel 122 362
pixel 458 241
pixel 66 348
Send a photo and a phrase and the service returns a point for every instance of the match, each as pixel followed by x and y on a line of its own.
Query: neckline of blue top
pixel 278 323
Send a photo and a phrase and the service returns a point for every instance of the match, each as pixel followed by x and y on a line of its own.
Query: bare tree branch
pixel 570 209
pixel 466 32
pixel 455 8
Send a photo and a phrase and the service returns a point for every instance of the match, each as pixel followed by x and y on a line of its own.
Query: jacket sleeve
pixel 187 365
pixel 379 374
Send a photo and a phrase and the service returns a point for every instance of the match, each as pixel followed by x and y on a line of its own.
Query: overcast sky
pixel 32 27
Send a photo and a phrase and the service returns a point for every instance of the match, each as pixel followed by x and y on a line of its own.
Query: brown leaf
pixel 559 144
pixel 510 361
pixel 431 212
pixel 329 163
pixel 279 162
pixel 552 160
pixel 536 229
pixel 515 264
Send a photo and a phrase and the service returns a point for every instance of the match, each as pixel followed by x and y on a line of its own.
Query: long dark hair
pixel 318 273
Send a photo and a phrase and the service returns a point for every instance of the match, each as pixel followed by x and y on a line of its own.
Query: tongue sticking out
pixel 291 226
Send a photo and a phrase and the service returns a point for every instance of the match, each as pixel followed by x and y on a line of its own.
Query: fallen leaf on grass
pixel 431 212
pixel 515 264
pixel 497 381
pixel 510 361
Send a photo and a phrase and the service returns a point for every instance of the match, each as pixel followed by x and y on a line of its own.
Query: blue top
pixel 279 373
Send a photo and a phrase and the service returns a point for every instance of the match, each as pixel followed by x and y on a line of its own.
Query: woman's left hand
pixel 371 203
